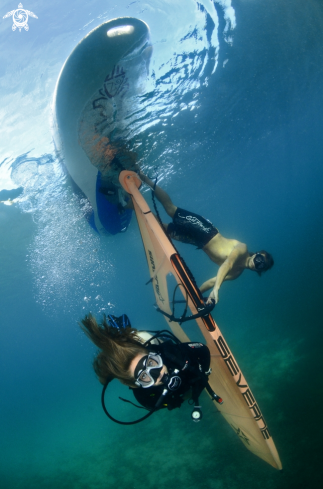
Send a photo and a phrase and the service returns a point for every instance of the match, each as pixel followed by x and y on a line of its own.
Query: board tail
pixel 240 408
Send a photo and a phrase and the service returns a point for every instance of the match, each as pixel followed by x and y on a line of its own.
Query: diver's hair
pixel 269 261
pixel 119 346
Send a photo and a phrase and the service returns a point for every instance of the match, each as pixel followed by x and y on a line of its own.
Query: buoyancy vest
pixel 191 360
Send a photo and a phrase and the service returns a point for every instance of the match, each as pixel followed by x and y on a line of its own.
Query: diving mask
pixel 259 261
pixel 148 370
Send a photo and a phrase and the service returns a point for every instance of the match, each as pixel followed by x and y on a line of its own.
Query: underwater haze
pixel 233 128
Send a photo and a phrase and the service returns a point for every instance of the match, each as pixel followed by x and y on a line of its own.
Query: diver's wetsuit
pixel 192 360
pixel 191 228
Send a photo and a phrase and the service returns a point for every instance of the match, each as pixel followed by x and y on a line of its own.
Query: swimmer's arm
pixel 235 255
pixel 208 284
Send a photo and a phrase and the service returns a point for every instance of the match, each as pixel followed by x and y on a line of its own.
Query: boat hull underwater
pixel 96 96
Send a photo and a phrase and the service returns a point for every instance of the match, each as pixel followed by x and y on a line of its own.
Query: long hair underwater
pixel 118 347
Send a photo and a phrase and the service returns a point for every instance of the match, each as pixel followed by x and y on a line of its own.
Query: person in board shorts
pixel 230 255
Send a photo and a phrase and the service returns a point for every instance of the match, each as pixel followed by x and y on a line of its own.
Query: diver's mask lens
pixel 148 370
pixel 259 261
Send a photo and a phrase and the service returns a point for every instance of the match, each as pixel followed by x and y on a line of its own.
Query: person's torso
pixel 219 249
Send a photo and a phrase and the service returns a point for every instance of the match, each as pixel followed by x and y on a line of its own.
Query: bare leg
pixel 161 195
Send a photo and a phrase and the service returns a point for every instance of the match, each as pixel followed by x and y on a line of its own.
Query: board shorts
pixel 191 228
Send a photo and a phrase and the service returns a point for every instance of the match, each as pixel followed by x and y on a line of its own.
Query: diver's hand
pixel 214 295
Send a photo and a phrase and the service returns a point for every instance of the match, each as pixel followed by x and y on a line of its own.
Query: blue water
pixel 238 97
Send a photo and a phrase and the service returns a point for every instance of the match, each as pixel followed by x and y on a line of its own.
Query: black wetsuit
pixel 191 228
pixel 192 360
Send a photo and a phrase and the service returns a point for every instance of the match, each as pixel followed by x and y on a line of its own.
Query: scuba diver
pixel 161 371
pixel 231 255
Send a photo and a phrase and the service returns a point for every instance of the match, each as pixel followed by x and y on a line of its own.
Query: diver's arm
pixel 204 358
pixel 235 255
pixel 208 284
pixel 223 271
pixel 160 194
